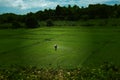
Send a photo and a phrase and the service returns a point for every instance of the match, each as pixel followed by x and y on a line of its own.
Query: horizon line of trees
pixel 70 13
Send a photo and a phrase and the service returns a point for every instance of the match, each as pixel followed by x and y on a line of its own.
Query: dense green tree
pixel 31 21
pixel 8 17
pixel 93 11
pixel 59 12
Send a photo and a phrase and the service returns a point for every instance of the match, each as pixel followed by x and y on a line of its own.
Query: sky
pixel 26 6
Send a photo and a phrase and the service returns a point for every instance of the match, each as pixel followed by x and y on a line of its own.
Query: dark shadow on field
pixel 16 43
pixel 13 45
pixel 25 46
pixel 104 47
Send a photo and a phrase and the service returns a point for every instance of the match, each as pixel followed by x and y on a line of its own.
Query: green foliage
pixel 94 11
pixel 34 73
pixel 31 21
pixel 16 25
pixel 64 13
pixel 89 23
pixel 49 23
pixel 8 18
pixel 6 26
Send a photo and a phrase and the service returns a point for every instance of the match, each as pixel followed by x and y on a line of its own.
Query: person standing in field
pixel 55 46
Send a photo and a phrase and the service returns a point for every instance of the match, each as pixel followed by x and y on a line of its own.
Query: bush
pixel 49 22
pixel 16 25
pixel 106 71
pixel 6 26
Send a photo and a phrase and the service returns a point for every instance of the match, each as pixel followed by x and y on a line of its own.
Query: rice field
pixel 77 46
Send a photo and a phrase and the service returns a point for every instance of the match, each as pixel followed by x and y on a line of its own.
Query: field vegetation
pixel 88 44
pixel 106 71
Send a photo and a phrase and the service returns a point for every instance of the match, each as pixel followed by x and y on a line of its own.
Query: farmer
pixel 55 46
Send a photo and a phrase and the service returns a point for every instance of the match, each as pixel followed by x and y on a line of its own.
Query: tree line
pixel 93 11
pixel 69 13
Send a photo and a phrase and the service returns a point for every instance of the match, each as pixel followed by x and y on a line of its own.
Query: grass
pixel 77 46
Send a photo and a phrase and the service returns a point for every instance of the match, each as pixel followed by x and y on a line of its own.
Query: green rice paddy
pixel 77 46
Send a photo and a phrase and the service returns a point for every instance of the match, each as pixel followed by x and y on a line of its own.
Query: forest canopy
pixel 69 13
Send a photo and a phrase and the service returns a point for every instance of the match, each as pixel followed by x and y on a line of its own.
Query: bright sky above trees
pixel 25 6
